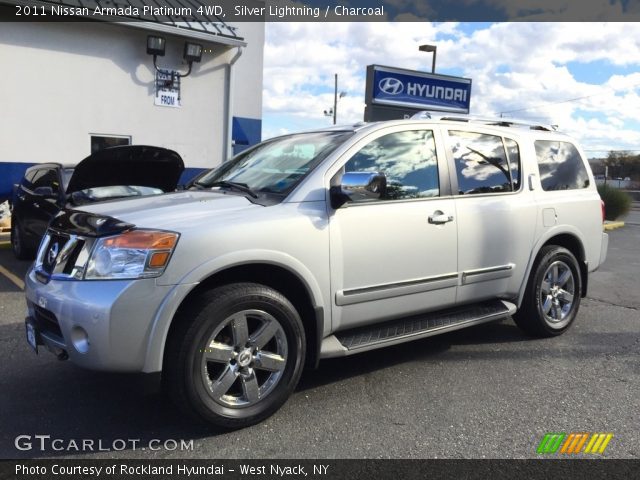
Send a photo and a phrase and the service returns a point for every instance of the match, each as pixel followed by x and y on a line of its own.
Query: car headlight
pixel 133 254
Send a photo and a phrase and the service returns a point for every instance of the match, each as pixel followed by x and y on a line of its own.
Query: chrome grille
pixel 61 255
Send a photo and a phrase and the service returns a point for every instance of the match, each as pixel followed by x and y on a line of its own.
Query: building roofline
pixel 183 32
pixel 205 29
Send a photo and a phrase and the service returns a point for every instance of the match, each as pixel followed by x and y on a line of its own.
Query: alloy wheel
pixel 244 359
pixel 557 294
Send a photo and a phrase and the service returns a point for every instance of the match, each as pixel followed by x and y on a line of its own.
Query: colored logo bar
pixel 572 443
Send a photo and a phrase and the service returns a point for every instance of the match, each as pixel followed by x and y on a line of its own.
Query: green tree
pixel 623 164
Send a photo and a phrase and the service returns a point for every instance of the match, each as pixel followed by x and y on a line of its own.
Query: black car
pixel 112 173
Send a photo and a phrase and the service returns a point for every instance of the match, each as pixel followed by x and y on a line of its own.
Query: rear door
pixel 496 213
pixel 388 259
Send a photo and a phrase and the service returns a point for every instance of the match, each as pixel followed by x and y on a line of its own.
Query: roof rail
pixel 496 121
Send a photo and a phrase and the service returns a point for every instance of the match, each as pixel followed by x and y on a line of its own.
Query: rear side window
pixel 560 166
pixel 481 163
pixel 513 152
pixel 46 178
pixel 28 178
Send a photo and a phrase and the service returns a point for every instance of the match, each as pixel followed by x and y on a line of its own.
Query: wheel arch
pixel 297 287
pixel 567 238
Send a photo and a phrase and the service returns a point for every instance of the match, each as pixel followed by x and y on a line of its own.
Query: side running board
pixel 379 335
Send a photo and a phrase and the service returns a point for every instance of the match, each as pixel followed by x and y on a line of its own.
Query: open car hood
pixel 139 165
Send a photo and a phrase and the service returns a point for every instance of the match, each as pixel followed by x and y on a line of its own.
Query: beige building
pixel 70 88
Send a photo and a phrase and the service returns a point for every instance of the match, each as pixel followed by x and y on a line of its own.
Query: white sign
pixel 167 98
pixel 167 89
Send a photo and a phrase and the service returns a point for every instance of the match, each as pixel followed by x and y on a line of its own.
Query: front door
pixel 396 254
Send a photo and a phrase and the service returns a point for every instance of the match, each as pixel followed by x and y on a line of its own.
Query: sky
pixel 583 77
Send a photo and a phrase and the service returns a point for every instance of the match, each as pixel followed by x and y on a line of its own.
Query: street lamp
pixel 430 48
pixel 333 112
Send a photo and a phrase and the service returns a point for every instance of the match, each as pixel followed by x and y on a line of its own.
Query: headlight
pixel 134 254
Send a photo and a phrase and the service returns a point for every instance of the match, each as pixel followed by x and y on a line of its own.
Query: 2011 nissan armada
pixel 317 245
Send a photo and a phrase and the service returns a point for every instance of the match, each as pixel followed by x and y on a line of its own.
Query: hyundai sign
pixel 412 90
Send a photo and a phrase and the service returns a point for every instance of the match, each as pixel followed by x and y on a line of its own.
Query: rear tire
pixel 235 355
pixel 552 297
pixel 20 249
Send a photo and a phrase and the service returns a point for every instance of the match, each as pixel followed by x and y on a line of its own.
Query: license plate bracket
pixel 32 334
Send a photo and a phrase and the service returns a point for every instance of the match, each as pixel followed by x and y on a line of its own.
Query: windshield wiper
pixel 241 187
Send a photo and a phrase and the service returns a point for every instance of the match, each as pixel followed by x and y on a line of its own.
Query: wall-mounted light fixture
pixel 156 47
pixel 192 52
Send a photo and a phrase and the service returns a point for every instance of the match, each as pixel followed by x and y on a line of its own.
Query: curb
pixel 613 225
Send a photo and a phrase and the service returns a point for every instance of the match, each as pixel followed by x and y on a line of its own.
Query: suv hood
pixel 137 165
pixel 174 211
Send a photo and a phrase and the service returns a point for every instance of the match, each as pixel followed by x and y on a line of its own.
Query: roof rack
pixel 495 121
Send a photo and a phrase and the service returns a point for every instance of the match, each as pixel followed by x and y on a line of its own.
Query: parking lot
pixel 487 392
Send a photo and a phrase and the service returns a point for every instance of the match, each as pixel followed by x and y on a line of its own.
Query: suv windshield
pixel 274 166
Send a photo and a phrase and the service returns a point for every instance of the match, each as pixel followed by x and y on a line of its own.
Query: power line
pixel 550 103
pixel 576 99
pixel 620 150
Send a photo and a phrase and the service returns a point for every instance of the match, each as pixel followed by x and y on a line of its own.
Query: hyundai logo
pixel 53 253
pixel 391 86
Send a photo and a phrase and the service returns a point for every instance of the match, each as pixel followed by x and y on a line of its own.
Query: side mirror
pixel 46 192
pixel 358 186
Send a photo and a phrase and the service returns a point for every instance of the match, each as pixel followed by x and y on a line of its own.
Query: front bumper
pixel 102 325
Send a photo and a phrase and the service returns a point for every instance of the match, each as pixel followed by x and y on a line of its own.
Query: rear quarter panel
pixel 576 212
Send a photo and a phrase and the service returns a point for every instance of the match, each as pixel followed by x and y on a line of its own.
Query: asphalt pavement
pixel 484 392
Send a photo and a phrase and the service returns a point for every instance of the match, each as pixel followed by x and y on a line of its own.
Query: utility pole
pixel 333 112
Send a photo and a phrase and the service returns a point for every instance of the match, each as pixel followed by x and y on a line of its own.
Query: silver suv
pixel 316 245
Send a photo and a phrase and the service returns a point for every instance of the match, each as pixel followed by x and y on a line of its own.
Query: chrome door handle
pixel 36 205
pixel 439 218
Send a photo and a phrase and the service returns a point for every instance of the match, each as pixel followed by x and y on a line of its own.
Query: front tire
pixel 235 355
pixel 18 241
pixel 552 298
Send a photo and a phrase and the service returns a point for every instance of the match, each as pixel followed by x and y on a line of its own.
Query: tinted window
pixel 513 152
pixel 66 176
pixel 100 142
pixel 481 163
pixel 560 166
pixel 28 178
pixel 408 160
pixel 46 178
pixel 277 165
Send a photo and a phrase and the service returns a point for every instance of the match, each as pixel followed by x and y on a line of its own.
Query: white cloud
pixel 513 66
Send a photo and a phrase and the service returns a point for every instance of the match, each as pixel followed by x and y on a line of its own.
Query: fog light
pixel 80 339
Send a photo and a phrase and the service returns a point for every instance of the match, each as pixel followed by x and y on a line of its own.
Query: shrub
pixel 616 202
